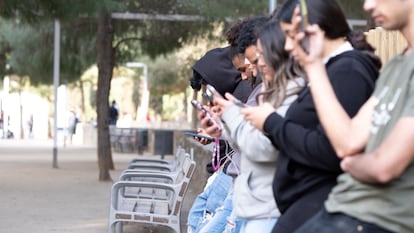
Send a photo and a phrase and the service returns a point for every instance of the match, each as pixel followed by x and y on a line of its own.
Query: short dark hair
pixel 249 32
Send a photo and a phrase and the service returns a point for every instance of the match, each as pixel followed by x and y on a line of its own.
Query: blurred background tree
pixel 169 36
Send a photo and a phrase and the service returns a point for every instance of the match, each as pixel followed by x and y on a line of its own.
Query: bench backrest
pixel 183 178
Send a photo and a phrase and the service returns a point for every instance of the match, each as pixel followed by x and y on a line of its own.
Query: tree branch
pixel 125 40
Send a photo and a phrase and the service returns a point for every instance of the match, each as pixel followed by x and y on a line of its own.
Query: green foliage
pixel 31 31
pixel 232 8
pixel 78 48
pixel 354 10
pixel 32 11
pixel 27 49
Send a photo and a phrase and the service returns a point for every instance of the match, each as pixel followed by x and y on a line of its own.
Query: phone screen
pixel 304 23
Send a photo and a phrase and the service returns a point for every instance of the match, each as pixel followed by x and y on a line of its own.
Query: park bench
pixel 159 204
pixel 176 158
pixel 151 172
pixel 170 165
pixel 128 139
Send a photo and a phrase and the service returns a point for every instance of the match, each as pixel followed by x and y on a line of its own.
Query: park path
pixel 37 198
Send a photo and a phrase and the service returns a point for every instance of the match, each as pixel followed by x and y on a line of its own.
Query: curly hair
pixel 249 31
pixel 232 34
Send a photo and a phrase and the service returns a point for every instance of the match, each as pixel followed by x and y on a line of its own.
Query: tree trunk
pixel 83 111
pixel 105 57
pixel 194 115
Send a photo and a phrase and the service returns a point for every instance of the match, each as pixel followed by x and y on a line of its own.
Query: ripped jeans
pixel 209 203
pixel 224 220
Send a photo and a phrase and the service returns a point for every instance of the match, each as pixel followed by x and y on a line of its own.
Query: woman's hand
pixel 257 115
pixel 314 35
pixel 222 104
pixel 203 141
pixel 210 122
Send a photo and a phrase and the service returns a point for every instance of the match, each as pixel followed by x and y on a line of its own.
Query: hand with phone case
pixel 208 117
pixel 211 93
pixel 304 23
pixel 199 136
pixel 221 101
pixel 308 38
pixel 230 100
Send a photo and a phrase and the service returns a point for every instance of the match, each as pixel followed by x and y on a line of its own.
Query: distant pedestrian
pixel 72 122
pixel 113 113
pixel 30 125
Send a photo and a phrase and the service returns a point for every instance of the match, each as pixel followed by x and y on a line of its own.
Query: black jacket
pixel 307 163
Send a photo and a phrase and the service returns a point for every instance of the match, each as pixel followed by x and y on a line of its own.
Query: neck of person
pixel 332 44
pixel 408 33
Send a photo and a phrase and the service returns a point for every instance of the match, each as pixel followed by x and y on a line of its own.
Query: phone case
pixel 192 134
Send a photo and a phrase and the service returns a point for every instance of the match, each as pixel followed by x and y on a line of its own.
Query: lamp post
pixel 56 69
pixel 272 5
pixel 5 105
pixel 142 109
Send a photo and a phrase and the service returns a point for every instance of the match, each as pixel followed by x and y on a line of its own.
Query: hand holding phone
pixel 239 103
pixel 195 134
pixel 303 10
pixel 206 112
pixel 209 98
pixel 211 92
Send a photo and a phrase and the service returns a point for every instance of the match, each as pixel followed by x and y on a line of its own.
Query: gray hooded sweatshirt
pixel 253 195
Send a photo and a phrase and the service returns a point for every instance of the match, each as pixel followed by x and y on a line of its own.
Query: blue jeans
pixel 324 222
pixel 218 223
pixel 233 223
pixel 206 203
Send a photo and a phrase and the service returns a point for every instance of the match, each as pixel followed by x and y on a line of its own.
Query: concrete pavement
pixel 37 198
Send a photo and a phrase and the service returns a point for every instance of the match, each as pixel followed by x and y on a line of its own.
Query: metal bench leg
pixel 118 227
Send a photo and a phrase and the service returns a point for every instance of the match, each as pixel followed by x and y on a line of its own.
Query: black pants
pixel 324 222
pixel 301 210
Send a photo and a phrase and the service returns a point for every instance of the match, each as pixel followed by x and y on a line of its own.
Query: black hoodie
pixel 217 69
pixel 307 166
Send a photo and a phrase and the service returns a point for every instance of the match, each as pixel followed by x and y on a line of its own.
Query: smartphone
pixel 195 134
pixel 211 92
pixel 202 109
pixel 209 98
pixel 239 103
pixel 303 9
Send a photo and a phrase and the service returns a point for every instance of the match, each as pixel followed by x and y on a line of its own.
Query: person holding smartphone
pixel 307 165
pixel 376 148
pixel 252 201
pixel 211 207
pixel 248 33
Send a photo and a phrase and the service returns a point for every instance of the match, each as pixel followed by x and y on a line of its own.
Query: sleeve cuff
pixel 272 125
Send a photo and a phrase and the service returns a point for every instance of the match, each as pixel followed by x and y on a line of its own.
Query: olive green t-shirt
pixel 390 206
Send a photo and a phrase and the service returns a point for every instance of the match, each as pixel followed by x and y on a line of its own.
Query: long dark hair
pixel 330 17
pixel 277 58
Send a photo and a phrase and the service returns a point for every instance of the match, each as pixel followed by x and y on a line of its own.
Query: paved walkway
pixel 37 198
